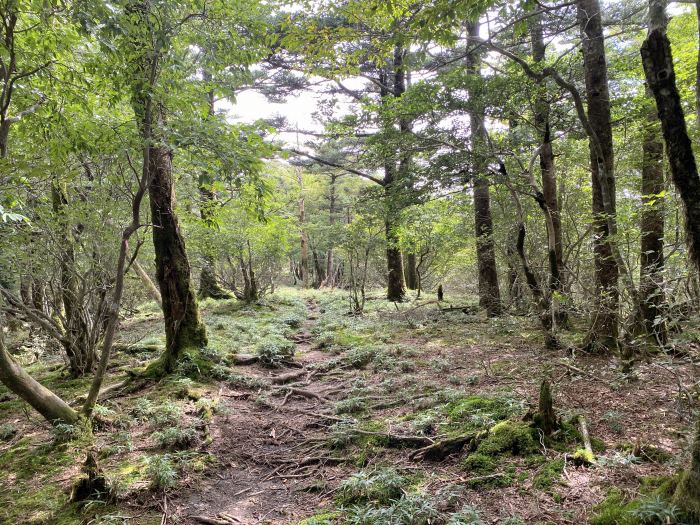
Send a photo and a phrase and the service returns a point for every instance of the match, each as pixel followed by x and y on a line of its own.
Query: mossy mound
pixel 687 494
pixel 653 507
pixel 514 437
pixel 475 412
pixel 479 463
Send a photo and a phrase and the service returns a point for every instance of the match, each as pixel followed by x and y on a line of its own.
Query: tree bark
pixel 549 179
pixel 40 398
pixel 651 285
pixel 330 271
pixel 392 171
pixel 183 326
pixel 603 335
pixel 661 78
pixel 208 285
pixel 687 493
pixel 411 272
pixel 319 270
pixel 489 292
pixel 394 263
pixel 303 239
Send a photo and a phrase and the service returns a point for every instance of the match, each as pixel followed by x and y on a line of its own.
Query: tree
pixel 657 60
pixel 489 292
pixel 148 44
pixel 604 330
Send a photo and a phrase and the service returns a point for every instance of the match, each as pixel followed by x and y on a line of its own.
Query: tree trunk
pixel 40 398
pixel 394 263
pixel 489 293
pixel 151 288
pixel 396 168
pixel 250 285
pixel 319 271
pixel 697 70
pixel 514 292
pixel 410 271
pixel 687 493
pixel 603 335
pixel 81 352
pixel 549 179
pixel 208 285
pixel 330 271
pixel 651 285
pixel 661 78
pixel 183 326
pixel 303 239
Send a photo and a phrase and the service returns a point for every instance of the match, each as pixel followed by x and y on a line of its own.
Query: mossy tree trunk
pixel 330 263
pixel 411 272
pixel 546 419
pixel 183 326
pixel 661 78
pixel 687 493
pixel 303 237
pixel 208 285
pixel 250 283
pixel 40 398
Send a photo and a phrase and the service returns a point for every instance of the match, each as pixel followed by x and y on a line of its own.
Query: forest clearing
pixel 363 262
pixel 297 445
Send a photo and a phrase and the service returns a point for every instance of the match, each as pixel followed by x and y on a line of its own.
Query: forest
pixel 349 262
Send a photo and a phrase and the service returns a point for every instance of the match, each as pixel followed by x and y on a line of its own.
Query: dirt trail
pixel 265 471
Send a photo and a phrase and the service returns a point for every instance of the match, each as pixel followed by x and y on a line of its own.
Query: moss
pixel 479 463
pixel 656 491
pixel 687 494
pixel 29 493
pixel 646 452
pixel 325 518
pixel 513 437
pixel 548 474
pixel 583 457
pixel 474 412
pixel 615 509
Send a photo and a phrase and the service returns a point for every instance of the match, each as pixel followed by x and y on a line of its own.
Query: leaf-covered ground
pixel 327 425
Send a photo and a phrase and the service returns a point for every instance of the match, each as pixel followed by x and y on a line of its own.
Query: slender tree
pixel 603 333
pixel 489 292
pixel 550 202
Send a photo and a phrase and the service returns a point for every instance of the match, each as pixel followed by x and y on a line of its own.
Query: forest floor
pixel 333 435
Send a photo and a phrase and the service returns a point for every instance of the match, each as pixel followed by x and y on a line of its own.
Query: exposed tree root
pixel 441 449
pixel 285 378
pixel 245 359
